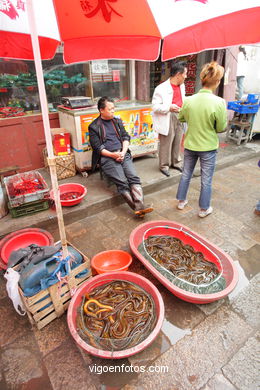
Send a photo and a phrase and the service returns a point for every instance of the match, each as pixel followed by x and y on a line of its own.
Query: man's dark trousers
pixel 122 174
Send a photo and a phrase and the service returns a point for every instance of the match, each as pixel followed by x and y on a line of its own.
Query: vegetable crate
pixel 25 187
pixel 28 208
pixel 65 165
pixel 51 303
pixel 243 108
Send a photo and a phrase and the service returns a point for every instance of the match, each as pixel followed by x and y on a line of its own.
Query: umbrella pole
pixel 46 124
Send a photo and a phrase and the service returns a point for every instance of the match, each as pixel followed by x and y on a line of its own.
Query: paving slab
pixel 52 336
pixel 219 382
pixel 210 308
pixel 252 267
pixel 66 368
pixel 12 326
pixel 243 370
pixel 23 365
pixel 247 304
pixel 195 358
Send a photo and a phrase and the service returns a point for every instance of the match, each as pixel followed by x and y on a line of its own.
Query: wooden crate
pixel 65 165
pixel 56 297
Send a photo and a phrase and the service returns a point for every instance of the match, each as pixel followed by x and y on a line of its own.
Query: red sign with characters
pixel 190 82
pixel 191 69
pixel 190 87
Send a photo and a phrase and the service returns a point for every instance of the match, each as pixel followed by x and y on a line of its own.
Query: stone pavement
pixel 200 347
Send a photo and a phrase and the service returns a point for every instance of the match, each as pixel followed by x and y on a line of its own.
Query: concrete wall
pixel 252 80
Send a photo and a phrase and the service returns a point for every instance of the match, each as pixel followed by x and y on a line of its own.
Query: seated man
pixel 110 141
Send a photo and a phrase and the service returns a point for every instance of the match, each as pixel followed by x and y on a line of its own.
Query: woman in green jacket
pixel 205 114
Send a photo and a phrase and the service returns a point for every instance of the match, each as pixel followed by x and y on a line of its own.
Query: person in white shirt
pixel 241 71
pixel 166 103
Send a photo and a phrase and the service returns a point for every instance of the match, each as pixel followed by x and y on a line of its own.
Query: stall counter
pixel 137 120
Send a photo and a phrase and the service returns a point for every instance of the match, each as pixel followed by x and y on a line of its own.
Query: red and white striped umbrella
pixel 127 29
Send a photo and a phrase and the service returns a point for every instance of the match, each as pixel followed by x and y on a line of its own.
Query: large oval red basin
pixel 229 271
pixel 98 281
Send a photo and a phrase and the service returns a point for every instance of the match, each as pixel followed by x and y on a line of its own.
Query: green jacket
pixel 206 115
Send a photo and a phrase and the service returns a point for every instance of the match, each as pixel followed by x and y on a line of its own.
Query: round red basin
pixel 70 188
pixel 23 238
pixel 98 281
pixel 111 261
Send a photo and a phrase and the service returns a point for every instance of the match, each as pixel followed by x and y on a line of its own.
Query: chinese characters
pixel 9 9
pixel 92 7
pixel 190 87
pixel 20 5
pixel 190 82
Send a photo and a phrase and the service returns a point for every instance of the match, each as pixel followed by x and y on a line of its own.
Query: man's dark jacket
pixel 97 137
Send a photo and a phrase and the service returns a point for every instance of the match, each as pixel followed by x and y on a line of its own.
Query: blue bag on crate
pixel 31 254
pixel 37 277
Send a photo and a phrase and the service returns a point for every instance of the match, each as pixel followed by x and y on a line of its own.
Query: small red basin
pixel 111 261
pixel 68 188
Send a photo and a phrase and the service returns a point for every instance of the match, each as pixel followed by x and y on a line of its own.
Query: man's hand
pixel 115 155
pixel 118 156
pixel 121 156
pixel 174 108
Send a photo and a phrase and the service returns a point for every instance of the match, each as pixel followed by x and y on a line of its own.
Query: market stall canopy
pixel 124 29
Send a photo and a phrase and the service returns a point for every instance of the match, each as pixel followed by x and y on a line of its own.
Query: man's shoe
pixel 204 213
pixel 177 168
pixel 257 212
pixel 145 210
pixel 165 172
pixel 182 204
pixel 138 198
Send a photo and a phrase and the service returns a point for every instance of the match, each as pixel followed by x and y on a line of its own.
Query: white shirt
pixel 161 103
pixel 241 64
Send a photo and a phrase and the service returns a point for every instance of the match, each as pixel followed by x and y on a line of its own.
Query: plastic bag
pixel 12 278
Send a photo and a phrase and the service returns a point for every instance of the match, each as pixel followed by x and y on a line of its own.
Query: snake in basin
pixel 182 260
pixel 116 316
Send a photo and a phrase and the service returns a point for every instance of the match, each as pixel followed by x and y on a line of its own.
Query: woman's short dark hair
pixel 103 101
pixel 178 67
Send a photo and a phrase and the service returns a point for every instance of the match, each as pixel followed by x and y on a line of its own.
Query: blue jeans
pixel 207 167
